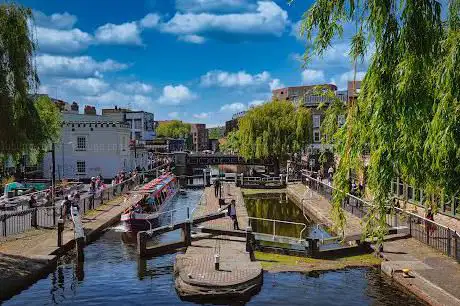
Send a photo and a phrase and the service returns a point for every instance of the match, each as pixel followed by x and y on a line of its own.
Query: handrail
pixel 373 205
pixel 279 221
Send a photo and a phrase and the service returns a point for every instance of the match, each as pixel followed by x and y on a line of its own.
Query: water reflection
pixel 279 207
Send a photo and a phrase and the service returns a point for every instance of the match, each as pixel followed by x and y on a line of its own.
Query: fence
pixel 12 223
pixel 426 231
pixel 449 205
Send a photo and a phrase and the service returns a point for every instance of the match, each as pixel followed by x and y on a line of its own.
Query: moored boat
pixel 146 211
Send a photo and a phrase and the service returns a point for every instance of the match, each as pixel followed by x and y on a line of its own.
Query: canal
pixel 113 274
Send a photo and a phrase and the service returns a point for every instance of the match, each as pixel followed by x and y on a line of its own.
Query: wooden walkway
pixel 238 276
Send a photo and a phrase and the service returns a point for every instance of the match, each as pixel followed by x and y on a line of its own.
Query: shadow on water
pixel 112 274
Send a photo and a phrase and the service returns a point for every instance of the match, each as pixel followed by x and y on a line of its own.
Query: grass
pixel 247 191
pixel 285 263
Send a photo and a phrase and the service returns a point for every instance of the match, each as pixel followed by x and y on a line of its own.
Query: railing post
pixel 410 225
pixel 60 229
pixel 4 226
pixel 449 243
pixel 34 220
pixel 249 242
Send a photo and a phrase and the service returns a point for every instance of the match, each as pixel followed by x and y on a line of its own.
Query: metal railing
pixel 426 231
pixel 17 222
pixel 274 222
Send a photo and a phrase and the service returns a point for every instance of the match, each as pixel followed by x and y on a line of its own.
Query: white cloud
pixel 268 19
pixel 135 87
pixel 234 107
pixel 89 86
pixel 342 80
pixel 212 5
pixel 194 39
pixel 173 115
pixel 64 21
pixel 150 21
pixel 201 115
pixel 175 95
pixel 114 97
pixel 295 29
pixel 255 103
pixel 228 79
pixel 275 84
pixel 121 34
pixel 312 77
pixel 62 41
pixel 79 66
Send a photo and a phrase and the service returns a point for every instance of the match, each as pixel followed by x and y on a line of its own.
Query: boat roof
pixel 158 183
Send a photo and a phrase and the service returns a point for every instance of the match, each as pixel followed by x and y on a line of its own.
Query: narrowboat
pixel 147 209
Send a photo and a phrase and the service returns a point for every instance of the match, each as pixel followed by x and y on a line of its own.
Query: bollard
pixel 80 244
pixel 59 231
pixel 187 233
pixel 216 262
pixel 141 243
pixel 249 242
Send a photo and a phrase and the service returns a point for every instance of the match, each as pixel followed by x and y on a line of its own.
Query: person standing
pixel 65 208
pixel 233 215
pixel 330 173
pixel 216 187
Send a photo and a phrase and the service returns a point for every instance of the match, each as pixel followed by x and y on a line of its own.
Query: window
pixel 81 166
pixel 316 136
pixel 341 120
pixel 316 121
pixel 81 143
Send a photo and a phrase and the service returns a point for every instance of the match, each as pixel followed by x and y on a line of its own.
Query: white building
pixel 141 124
pixel 92 145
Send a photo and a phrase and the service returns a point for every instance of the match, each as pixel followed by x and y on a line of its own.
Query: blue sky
pixel 194 60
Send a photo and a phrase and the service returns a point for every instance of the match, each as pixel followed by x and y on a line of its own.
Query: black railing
pixel 12 223
pixel 426 231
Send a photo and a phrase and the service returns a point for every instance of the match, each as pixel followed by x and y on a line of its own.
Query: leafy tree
pixel 407 112
pixel 25 126
pixel 216 133
pixel 231 143
pixel 173 129
pixel 273 131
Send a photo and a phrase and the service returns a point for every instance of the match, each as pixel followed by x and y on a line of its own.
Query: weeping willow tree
pixel 273 131
pixel 408 110
pixel 26 125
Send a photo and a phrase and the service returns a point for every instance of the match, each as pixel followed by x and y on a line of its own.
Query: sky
pixel 192 60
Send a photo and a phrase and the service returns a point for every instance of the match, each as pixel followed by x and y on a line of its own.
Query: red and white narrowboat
pixel 147 209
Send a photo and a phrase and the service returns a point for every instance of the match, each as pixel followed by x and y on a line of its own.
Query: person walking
pixel 330 173
pixel 233 215
pixel 216 188
pixel 65 208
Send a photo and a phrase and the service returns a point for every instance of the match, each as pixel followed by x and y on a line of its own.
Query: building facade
pixel 199 135
pixel 142 124
pixel 232 124
pixel 93 145
pixel 308 96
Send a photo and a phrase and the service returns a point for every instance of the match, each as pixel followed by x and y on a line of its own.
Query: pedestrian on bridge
pixel 233 215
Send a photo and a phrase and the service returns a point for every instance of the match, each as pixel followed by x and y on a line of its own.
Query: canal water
pixel 277 206
pixel 112 274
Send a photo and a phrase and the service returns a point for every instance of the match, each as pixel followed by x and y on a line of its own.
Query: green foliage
pixel 274 130
pixel 18 117
pixel 407 113
pixel 231 143
pixel 216 133
pixel 26 125
pixel 173 129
